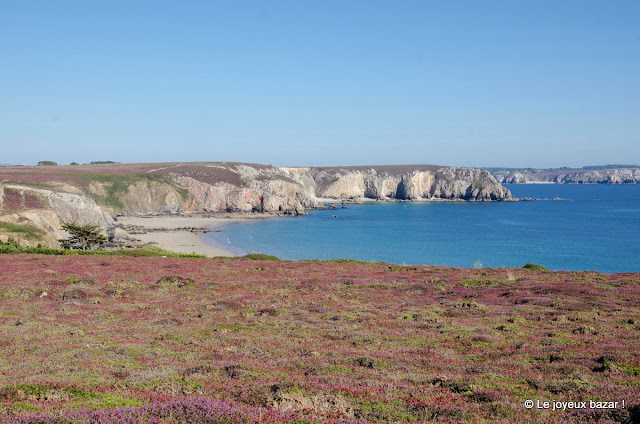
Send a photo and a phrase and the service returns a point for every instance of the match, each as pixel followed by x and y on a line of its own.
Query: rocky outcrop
pixel 222 186
pixel 573 176
pixel 246 189
pixel 406 182
pixel 514 178
pixel 48 210
pixel 152 198
pixel 322 402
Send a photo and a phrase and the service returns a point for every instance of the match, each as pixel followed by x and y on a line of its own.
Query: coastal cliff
pixel 570 176
pixel 241 188
pixel 407 182
pixel 36 201
pixel 32 215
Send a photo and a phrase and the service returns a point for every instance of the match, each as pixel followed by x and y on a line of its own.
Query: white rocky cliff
pixel 47 210
pixel 220 187
pixel 401 182
pixel 572 176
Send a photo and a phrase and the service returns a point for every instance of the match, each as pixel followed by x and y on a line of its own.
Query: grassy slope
pixel 26 231
pixel 115 178
pixel 391 343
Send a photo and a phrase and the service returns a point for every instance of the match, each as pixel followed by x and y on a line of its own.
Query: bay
pixel 596 227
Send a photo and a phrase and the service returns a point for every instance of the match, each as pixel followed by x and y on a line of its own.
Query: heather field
pixel 105 339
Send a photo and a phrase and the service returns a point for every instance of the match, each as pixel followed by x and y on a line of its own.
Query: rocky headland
pixel 630 175
pixel 36 201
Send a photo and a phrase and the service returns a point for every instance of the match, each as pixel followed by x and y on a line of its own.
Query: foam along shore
pixel 164 233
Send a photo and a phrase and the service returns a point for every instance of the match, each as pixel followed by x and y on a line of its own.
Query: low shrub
pixel 535 267
pixel 12 246
pixel 260 257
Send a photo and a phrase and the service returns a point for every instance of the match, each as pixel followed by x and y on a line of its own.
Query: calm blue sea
pixel 596 228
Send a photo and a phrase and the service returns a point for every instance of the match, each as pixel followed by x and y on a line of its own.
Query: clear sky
pixel 326 82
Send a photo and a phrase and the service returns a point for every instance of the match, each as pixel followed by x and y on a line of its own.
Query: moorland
pixel 113 339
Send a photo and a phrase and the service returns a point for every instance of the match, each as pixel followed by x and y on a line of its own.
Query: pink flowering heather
pixel 96 339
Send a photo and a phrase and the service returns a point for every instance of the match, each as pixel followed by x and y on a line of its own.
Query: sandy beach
pixel 179 241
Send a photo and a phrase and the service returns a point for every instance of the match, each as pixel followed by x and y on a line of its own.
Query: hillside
pixel 587 175
pixel 35 201
pixel 278 341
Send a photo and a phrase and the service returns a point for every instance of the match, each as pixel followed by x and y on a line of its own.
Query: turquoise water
pixel 596 228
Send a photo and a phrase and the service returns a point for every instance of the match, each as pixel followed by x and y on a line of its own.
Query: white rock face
pixel 202 187
pixel 53 210
pixel 80 210
pixel 152 197
pixel 604 176
pixel 405 183
pixel 578 176
pixel 69 207
pixel 255 189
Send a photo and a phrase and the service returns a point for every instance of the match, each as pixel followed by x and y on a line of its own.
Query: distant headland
pixel 600 174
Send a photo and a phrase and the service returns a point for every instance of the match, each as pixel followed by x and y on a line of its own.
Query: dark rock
pixel 74 294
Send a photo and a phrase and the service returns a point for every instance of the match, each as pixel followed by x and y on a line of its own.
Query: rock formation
pixel 48 210
pixel 241 188
pixel 401 182
pixel 571 176
pixel 219 187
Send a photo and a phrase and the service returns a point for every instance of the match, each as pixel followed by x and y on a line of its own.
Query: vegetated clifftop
pixel 570 176
pixel 36 201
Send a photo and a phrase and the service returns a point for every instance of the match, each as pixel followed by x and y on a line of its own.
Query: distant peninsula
pixel 601 174
pixel 36 200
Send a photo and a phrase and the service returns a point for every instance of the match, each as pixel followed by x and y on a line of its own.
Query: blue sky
pixel 332 82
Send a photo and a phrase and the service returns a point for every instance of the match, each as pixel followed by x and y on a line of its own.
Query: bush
pixel 259 257
pixel 535 267
pixel 83 237
pixel 12 246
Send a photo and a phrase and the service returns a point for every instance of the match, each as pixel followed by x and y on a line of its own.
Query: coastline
pixel 167 233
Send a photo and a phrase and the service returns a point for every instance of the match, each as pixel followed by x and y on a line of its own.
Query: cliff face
pixel 152 197
pixel 90 196
pixel 578 176
pixel 407 183
pixel 242 187
pixel 32 208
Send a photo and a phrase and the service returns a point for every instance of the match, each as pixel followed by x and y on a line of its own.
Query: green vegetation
pixel 149 252
pixel 341 342
pixel 12 246
pixel 258 257
pixel 183 192
pixel 535 267
pixel 39 391
pixel 47 163
pixel 117 185
pixel 340 261
pixel 479 283
pixel 27 231
pixel 83 237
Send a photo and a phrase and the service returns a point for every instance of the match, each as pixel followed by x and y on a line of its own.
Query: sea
pixel 595 227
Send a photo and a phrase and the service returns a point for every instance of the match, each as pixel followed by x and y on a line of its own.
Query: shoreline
pixel 166 232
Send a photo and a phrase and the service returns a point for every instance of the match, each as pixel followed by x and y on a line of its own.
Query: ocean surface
pixel 596 228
